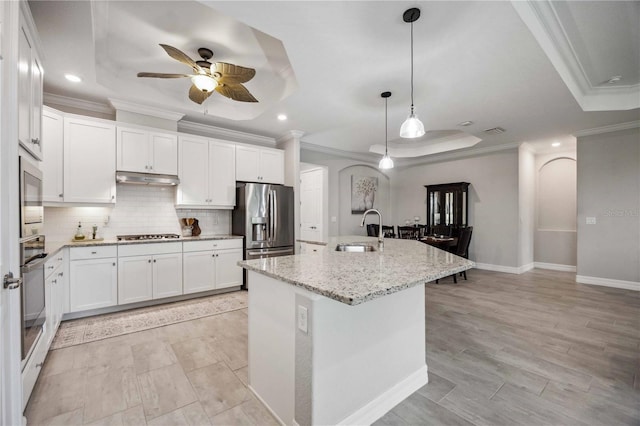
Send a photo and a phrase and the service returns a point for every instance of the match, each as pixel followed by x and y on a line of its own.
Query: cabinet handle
pixel 59 259
pixel 213 255
pixel 113 264
pixel 154 261
pixel 149 261
pixel 35 141
pixel 60 274
pixel 50 267
pixel 39 365
pixel 60 195
pixel 54 281
pixel 113 197
pixel 94 252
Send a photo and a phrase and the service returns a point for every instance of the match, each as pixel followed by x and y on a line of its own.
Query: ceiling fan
pixel 222 77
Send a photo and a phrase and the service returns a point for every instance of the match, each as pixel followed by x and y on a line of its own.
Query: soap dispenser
pixel 79 235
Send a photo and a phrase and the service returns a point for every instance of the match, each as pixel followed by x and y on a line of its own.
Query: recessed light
pixel 282 117
pixel 465 123
pixel 556 144
pixel 73 78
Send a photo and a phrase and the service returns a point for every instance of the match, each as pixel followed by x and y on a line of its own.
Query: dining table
pixel 443 242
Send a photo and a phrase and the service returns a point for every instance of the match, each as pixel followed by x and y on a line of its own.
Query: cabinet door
pixel 93 284
pixel 167 275
pixel 222 174
pixel 164 153
pixel 89 161
pixel 271 166
pixel 247 163
pixel 36 106
pixel 228 273
pixel 135 279
pixel 49 285
pixel 133 150
pixel 198 271
pixel 24 89
pixel 52 164
pixel 193 171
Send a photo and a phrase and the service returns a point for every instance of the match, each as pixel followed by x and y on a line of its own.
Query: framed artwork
pixel 363 193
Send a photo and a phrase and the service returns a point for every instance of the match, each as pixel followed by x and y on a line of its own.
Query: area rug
pixel 84 330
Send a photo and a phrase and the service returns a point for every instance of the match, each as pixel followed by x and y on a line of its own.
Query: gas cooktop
pixel 142 237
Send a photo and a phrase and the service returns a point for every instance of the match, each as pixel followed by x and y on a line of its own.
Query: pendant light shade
pixel 412 126
pixel 386 162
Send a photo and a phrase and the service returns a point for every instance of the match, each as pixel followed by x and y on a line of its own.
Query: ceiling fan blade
pixel 180 56
pixel 237 92
pixel 234 74
pixel 161 75
pixel 197 95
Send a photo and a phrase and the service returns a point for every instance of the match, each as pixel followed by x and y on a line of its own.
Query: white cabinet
pixel 145 151
pixel 89 161
pixel 29 89
pixel 93 277
pixel 207 173
pixel 263 165
pixel 55 292
pixel 210 265
pixel 149 271
pixel 53 159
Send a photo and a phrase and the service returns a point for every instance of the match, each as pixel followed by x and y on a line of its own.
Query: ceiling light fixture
pixel 465 123
pixel 73 78
pixel 204 83
pixel 412 127
pixel 555 144
pixel 282 117
pixel 386 162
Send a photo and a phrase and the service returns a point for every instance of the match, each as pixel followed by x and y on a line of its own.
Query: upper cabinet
pixel 89 161
pixel 52 164
pixel 207 173
pixel 30 78
pixel 262 165
pixel 147 151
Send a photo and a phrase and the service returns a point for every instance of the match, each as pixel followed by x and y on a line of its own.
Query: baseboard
pixel 275 416
pixel 525 268
pixel 378 407
pixel 498 268
pixel 555 266
pixel 608 282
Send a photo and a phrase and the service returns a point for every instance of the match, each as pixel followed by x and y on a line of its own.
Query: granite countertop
pixel 52 247
pixel 354 278
pixel 319 243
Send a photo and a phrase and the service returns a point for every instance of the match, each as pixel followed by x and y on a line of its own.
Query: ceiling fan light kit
pixel 204 82
pixel 386 162
pixel 412 127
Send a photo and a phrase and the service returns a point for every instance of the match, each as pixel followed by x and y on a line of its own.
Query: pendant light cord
pixel 386 152
pixel 411 67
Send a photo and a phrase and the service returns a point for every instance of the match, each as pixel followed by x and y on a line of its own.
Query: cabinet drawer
pixel 190 246
pixel 54 263
pixel 149 249
pixel 94 252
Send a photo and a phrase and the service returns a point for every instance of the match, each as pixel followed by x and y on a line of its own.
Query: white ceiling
pixel 475 61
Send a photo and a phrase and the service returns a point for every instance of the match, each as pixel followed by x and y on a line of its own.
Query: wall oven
pixel 33 309
pixel 31 209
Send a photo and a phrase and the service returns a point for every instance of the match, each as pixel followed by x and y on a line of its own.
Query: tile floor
pixel 190 373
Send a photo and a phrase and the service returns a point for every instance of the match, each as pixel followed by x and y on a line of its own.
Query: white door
pixel 199 272
pixel 311 205
pixel 52 161
pixel 93 284
pixel 247 163
pixel 228 273
pixel 164 153
pixel 167 275
pixel 193 170
pixel 10 377
pixel 222 174
pixel 272 166
pixel 133 150
pixel 135 279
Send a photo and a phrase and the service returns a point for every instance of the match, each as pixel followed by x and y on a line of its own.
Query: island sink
pixel 355 247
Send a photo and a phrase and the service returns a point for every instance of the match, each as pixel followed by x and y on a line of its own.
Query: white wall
pixel 350 222
pixel 608 178
pixel 526 205
pixel 139 209
pixel 493 202
pixel 555 234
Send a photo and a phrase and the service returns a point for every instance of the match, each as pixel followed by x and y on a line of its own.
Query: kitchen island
pixel 339 337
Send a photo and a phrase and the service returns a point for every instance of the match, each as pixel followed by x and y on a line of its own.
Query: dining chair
pixel 408 232
pixel 462 249
pixel 387 231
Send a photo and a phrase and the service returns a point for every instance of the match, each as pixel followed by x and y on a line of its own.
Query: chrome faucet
pixel 380 233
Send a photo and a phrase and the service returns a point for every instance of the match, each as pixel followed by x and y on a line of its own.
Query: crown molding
pixel 607 129
pixel 359 156
pixel 50 98
pixel 542 19
pixel 227 134
pixel 439 158
pixel 291 134
pixel 145 110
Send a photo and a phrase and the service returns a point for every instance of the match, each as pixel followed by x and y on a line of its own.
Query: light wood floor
pixel 530 349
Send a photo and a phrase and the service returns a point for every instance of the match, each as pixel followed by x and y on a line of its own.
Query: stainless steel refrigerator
pixel 264 216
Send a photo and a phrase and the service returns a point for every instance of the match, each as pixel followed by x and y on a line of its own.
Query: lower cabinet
pixel 55 287
pixel 210 265
pixel 93 277
pixel 149 271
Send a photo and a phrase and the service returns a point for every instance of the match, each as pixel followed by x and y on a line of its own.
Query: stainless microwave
pixel 31 209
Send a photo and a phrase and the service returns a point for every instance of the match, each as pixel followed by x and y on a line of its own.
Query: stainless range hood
pixel 146 179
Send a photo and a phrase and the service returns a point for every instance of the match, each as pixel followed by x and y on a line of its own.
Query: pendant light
pixel 386 162
pixel 412 127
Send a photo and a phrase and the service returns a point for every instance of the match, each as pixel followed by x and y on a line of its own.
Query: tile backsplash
pixel 139 210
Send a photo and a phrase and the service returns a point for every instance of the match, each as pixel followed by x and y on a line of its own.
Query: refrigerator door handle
pixel 269 217
pixel 275 214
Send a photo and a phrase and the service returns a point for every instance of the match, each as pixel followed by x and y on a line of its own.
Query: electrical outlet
pixel 302 318
pixel 591 220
